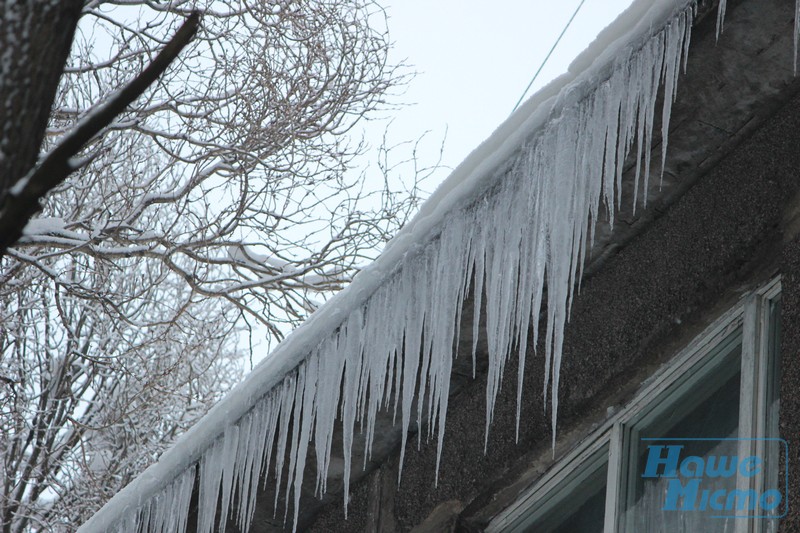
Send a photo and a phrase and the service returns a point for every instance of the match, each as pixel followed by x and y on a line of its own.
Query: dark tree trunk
pixel 35 38
pixel 31 68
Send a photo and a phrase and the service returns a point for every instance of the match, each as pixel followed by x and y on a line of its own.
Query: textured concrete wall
pixel 790 376
pixel 724 236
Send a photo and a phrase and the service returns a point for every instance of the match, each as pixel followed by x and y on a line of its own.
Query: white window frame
pixel 752 315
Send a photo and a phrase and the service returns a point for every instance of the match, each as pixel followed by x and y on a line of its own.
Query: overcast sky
pixel 474 59
pixel 473 63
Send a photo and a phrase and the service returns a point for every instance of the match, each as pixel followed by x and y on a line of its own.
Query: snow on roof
pixel 512 217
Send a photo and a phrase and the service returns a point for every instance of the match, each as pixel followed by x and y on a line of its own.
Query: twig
pixel 22 202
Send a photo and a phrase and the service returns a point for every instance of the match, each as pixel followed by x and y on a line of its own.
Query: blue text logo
pixel 720 484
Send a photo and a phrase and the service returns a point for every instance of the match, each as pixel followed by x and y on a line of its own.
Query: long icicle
pixel 530 228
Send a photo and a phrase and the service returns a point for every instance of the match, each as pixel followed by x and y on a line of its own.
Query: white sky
pixel 474 59
pixel 473 62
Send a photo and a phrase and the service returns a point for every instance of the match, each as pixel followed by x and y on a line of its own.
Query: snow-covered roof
pixel 512 217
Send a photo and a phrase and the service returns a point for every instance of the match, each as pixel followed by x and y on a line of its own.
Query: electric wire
pixel 544 62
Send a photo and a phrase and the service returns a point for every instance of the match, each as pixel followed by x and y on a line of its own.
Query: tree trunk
pixel 35 38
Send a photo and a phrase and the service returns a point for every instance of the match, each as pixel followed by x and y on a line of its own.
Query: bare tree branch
pixel 22 200
pixel 229 193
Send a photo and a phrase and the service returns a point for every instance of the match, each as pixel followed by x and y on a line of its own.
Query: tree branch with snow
pixel 22 199
pixel 225 197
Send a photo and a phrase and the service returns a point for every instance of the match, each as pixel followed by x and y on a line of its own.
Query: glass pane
pixel 690 421
pixel 581 511
pixel 576 505
pixel 774 449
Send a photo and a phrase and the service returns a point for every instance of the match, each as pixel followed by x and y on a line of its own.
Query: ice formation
pixel 796 33
pixel 516 216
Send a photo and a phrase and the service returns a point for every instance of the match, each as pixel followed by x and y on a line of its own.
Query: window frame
pixel 754 314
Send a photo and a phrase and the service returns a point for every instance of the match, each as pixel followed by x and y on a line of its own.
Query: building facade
pixel 681 341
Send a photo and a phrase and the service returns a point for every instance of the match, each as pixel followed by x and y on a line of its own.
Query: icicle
pixel 446 306
pixel 352 343
pixel 532 224
pixel 329 383
pixel 477 260
pixel 287 393
pixel 796 32
pixel 687 36
pixel 378 346
pixel 259 438
pixel 723 4
pixel 670 71
pixel 166 512
pixel 305 407
pixel 297 444
pixel 210 479
pixel 412 346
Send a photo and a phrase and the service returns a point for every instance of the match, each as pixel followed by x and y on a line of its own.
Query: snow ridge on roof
pixel 512 218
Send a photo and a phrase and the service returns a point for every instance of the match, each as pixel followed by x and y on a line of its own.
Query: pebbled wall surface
pixel 727 220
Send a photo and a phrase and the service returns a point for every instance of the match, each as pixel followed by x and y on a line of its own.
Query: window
pixel 696 449
pixel 575 501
